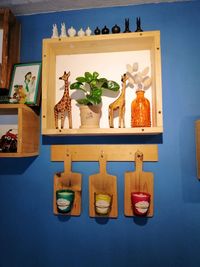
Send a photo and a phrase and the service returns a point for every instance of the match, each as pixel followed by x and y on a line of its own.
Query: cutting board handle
pixel 102 163
pixel 138 161
pixel 67 163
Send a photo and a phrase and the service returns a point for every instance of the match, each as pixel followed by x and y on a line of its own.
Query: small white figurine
pixel 71 31
pixel 63 30
pixel 81 32
pixel 55 31
pixel 88 31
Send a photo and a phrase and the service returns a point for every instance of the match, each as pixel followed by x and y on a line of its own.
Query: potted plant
pixel 90 105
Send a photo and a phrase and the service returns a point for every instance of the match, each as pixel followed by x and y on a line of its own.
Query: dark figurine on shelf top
pixel 116 29
pixel 97 31
pixel 105 30
pixel 138 24
pixel 127 26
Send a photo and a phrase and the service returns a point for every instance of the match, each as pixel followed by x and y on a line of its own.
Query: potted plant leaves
pixel 92 88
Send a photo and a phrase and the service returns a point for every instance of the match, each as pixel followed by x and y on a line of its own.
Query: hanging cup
pixel 140 202
pixel 64 200
pixel 103 203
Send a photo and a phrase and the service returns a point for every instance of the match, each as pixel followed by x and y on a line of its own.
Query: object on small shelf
pixel 8 142
pixel 103 186
pixel 138 25
pixel 71 32
pixel 25 85
pixel 140 107
pixel 64 200
pixel 67 188
pixel 64 105
pixel 102 203
pixel 105 30
pixel 63 30
pixel 141 183
pixel 119 104
pixel 88 31
pixel 127 26
pixel 92 87
pixel 54 31
pixel 140 111
pixel 97 31
pixel 116 29
pixel 81 33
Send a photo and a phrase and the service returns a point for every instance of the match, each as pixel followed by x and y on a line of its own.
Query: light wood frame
pixel 100 44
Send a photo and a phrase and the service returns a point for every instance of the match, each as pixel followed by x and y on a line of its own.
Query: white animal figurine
pixel 88 31
pixel 81 32
pixel 72 32
pixel 55 31
pixel 63 30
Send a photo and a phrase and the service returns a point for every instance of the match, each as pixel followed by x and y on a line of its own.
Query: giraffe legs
pixel 111 111
pixel 70 119
pixel 56 118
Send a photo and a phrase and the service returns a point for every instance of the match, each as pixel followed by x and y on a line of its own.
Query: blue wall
pixel 31 236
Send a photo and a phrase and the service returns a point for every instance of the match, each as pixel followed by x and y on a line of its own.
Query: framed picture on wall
pixel 25 84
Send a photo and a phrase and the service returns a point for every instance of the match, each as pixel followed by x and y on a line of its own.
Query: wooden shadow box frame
pixel 95 44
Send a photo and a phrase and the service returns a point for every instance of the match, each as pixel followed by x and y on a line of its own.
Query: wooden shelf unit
pixel 10 45
pixel 95 44
pixel 28 129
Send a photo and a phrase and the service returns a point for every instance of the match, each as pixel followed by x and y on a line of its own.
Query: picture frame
pixel 25 86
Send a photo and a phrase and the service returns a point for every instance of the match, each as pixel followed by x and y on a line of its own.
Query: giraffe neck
pixel 123 89
pixel 66 92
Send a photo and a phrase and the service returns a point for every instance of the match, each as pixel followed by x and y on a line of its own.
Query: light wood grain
pixel 105 183
pixel 28 130
pixel 113 152
pixel 100 44
pixel 138 181
pixel 68 180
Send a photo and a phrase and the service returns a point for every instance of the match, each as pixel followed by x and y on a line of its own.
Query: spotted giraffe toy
pixel 119 103
pixel 64 105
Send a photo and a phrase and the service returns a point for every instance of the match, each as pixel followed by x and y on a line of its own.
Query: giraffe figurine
pixel 119 103
pixel 64 105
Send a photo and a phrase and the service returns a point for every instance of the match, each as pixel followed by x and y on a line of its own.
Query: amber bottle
pixel 140 111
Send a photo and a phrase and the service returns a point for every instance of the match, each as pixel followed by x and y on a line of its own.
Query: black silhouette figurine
pixel 138 24
pixel 127 26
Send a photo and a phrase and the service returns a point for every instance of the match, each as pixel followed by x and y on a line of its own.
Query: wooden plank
pixel 113 152
pixel 103 131
pixel 103 183
pixel 68 180
pixel 137 181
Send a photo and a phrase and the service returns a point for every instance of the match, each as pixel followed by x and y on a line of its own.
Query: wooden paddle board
pixel 103 182
pixel 68 180
pixel 138 181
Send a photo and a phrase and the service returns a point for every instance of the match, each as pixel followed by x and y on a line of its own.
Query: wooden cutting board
pixel 103 182
pixel 137 181
pixel 68 180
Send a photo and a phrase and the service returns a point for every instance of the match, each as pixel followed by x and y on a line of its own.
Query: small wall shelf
pixel 27 126
pixel 64 54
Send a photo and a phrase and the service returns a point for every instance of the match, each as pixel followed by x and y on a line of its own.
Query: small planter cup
pixel 140 203
pixel 103 203
pixel 64 200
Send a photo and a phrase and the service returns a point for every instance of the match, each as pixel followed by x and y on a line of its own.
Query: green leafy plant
pixel 93 87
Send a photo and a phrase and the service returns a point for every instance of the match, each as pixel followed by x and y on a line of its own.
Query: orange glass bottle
pixel 140 111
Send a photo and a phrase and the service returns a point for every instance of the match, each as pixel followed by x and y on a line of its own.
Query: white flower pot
pixel 90 116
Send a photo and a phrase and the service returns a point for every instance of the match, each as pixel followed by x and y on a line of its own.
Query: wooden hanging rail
pixel 113 152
